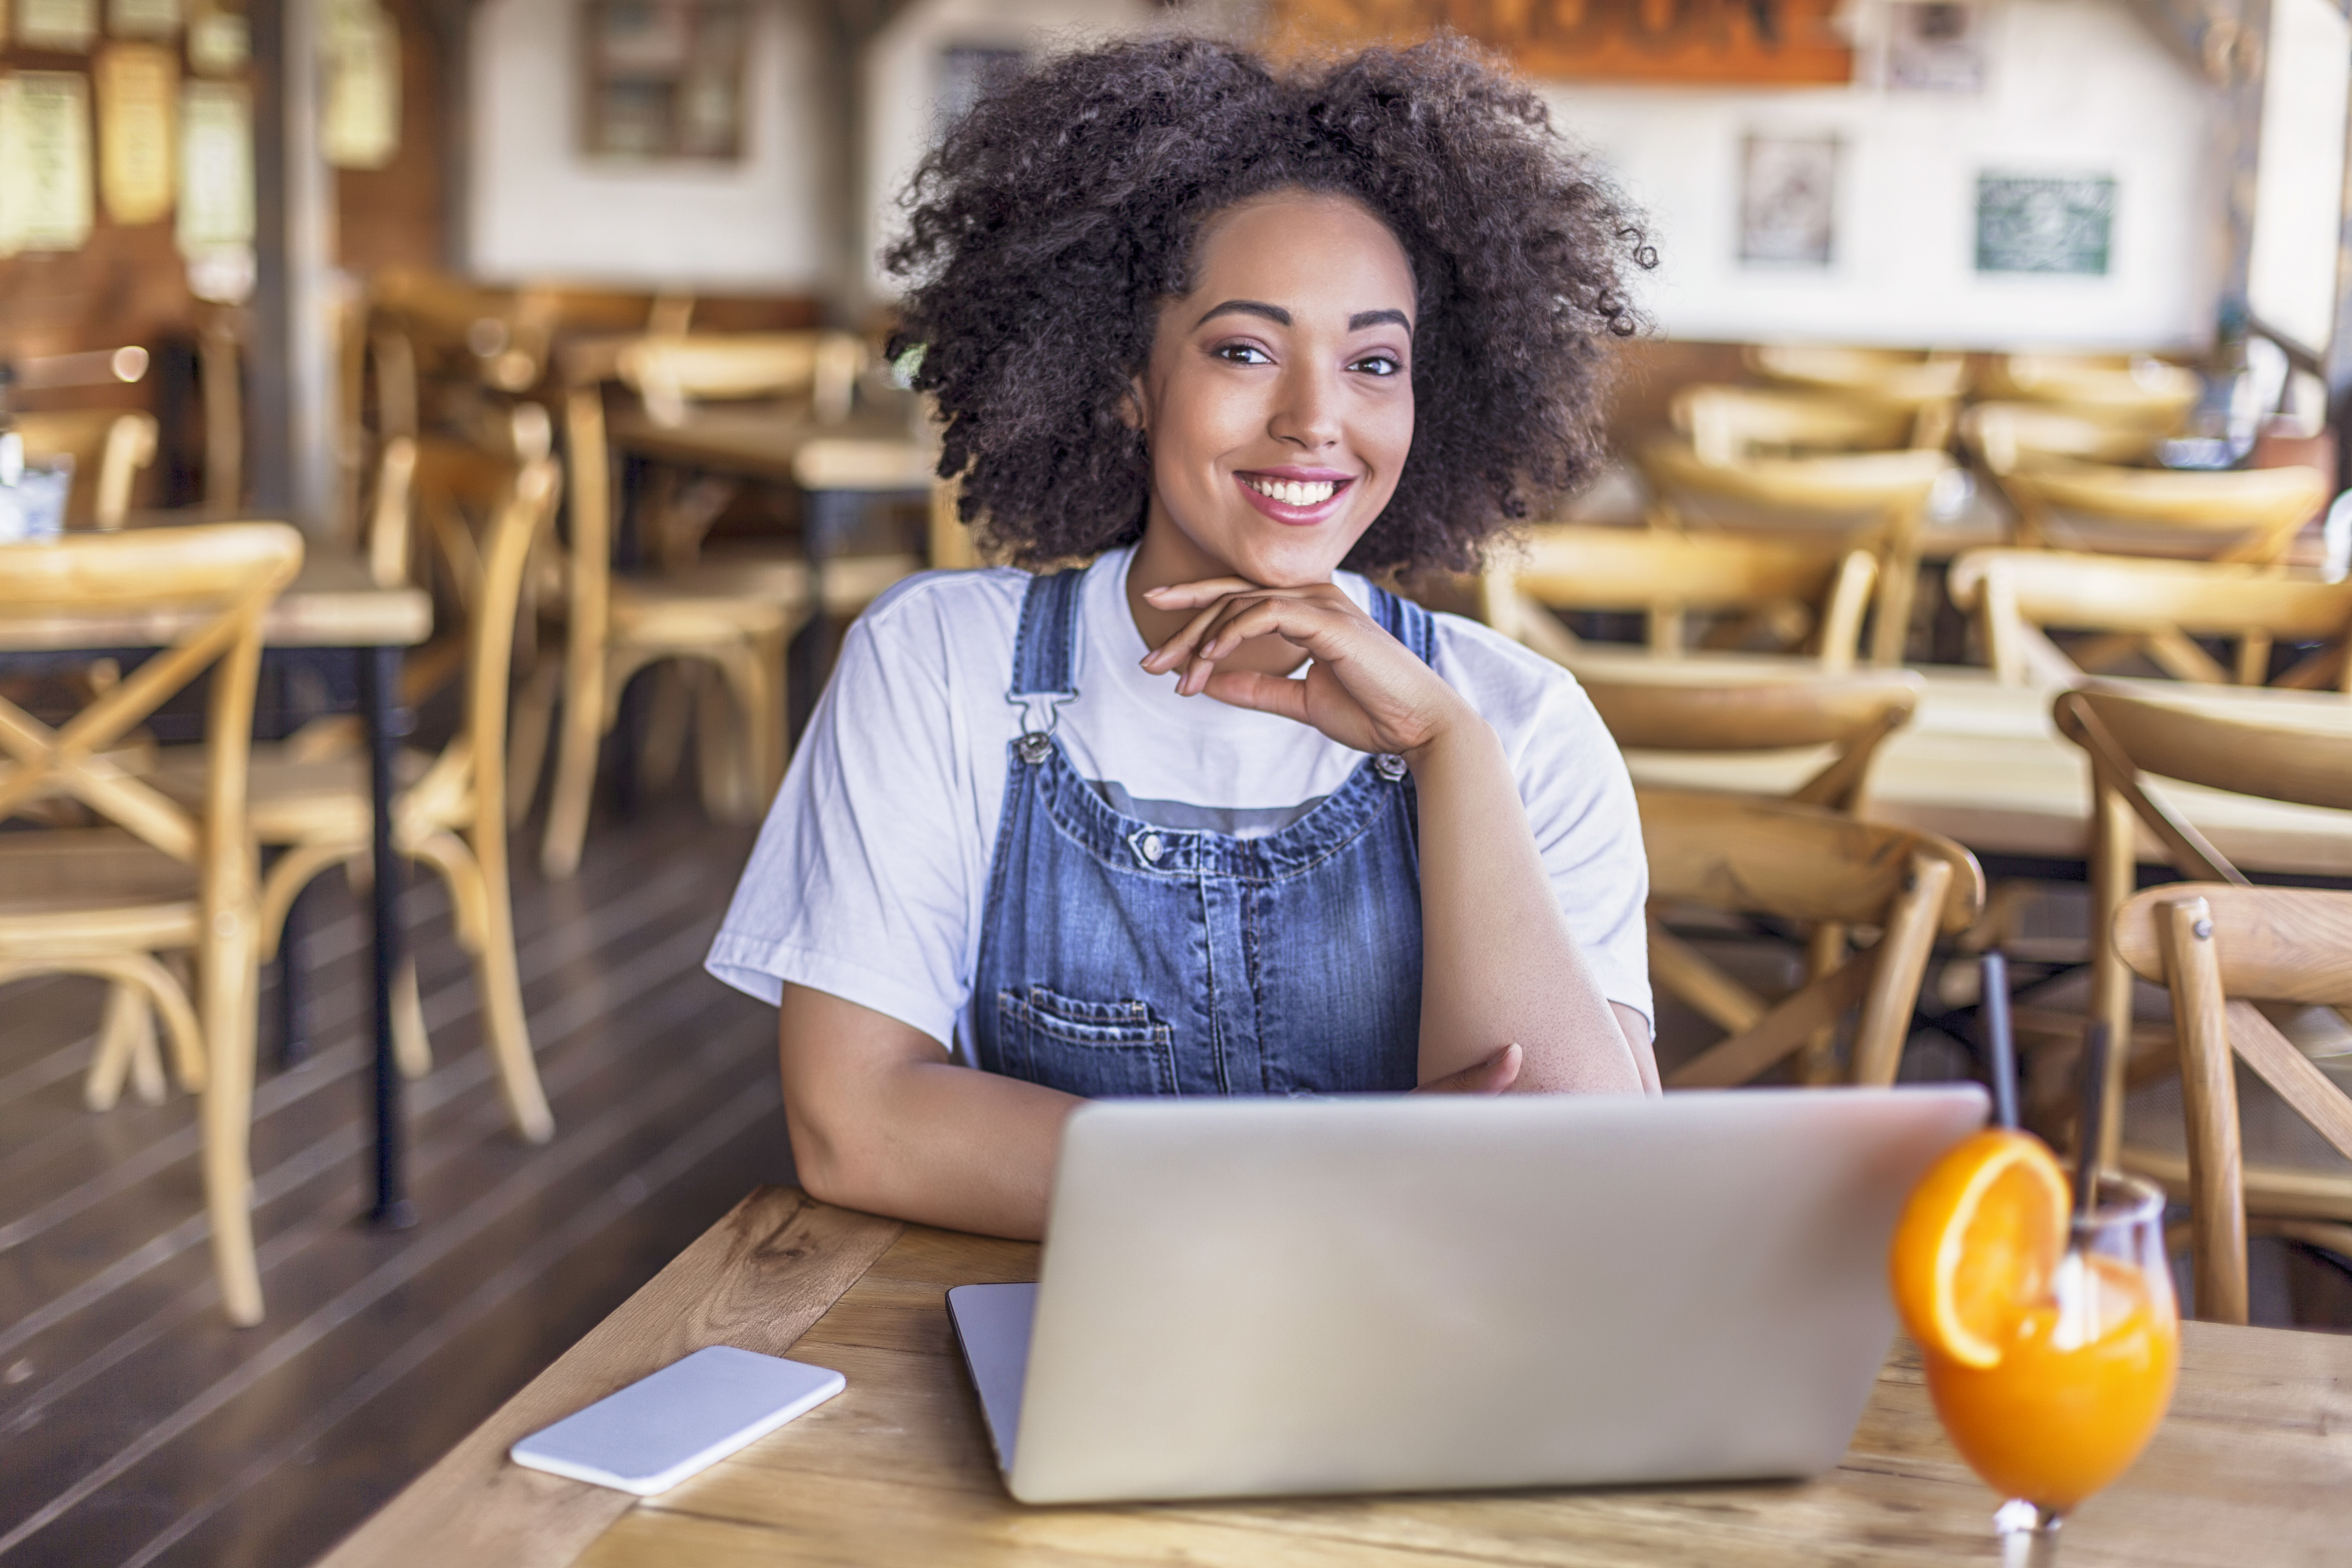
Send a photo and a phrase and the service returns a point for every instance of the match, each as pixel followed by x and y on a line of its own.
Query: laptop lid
pixel 1245 1298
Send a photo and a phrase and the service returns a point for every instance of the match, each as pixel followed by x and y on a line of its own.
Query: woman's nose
pixel 1307 410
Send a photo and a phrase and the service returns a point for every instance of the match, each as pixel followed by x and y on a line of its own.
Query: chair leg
pixel 508 1030
pixel 723 755
pixel 229 1008
pixel 677 686
pixel 534 720
pixel 1816 1061
pixel 125 1050
pixel 580 727
pixel 410 1046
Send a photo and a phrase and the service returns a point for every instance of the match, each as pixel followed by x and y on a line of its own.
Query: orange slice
pixel 1978 1243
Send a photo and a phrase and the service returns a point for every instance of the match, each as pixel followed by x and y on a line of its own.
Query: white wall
pixel 2076 87
pixel 539 208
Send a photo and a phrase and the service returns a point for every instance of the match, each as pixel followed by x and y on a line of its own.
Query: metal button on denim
pixel 1392 767
pixel 1150 847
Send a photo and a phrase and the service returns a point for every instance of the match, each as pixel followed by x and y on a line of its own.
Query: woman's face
pixel 1278 402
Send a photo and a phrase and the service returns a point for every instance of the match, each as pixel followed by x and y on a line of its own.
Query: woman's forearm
pixel 882 1120
pixel 1499 963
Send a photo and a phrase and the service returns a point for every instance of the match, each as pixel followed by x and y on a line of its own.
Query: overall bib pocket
pixel 1093 1049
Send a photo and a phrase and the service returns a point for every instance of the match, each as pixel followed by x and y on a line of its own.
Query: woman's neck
pixel 1168 555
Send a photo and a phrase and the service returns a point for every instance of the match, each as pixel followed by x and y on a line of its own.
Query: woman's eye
pixel 1378 365
pixel 1240 353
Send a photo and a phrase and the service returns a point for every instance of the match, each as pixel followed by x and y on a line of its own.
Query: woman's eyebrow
pixel 1273 313
pixel 1363 318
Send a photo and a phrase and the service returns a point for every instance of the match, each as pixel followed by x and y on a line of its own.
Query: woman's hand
pixel 1365 689
pixel 1496 1075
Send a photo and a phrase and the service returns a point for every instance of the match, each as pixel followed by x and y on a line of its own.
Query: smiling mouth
pixel 1295 493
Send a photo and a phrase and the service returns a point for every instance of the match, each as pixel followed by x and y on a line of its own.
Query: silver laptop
pixel 1250 1298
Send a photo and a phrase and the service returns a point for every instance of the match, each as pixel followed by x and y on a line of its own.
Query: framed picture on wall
pixel 663 78
pixel 1787 200
pixel 2044 224
pixel 1935 45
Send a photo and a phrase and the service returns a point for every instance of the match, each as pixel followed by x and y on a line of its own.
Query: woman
pixel 1212 814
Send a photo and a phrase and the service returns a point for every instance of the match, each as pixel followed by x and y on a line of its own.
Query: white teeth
pixel 1292 492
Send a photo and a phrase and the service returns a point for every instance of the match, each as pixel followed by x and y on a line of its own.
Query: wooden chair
pixel 2216 946
pixel 1805 864
pixel 1819 587
pixel 1925 387
pixel 483 512
pixel 616 625
pixel 164 878
pixel 2250 515
pixel 2128 739
pixel 1852 715
pixel 2159 605
pixel 2128 387
pixel 108 449
pixel 1873 501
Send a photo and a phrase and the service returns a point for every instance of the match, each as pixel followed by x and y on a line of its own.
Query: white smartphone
pixel 689 1415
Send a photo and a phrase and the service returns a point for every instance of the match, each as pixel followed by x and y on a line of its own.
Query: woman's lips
pixel 1289 513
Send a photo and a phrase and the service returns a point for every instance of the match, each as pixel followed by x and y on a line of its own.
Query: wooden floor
pixel 137 1426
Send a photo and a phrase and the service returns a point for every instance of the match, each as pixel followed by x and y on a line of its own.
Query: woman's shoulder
pixel 958 609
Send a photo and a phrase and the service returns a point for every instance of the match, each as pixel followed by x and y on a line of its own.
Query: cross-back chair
pixel 1813 867
pixel 617 624
pixel 1819 588
pixel 2127 740
pixel 482 514
pixel 164 876
pixel 1852 714
pixel 110 449
pixel 1873 501
pixel 2161 606
pixel 2217 947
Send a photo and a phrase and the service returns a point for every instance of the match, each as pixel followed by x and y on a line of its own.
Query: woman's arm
pixel 1496 958
pixel 882 1120
pixel 1498 962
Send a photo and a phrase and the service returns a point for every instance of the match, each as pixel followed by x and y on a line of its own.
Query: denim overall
pixel 1123 958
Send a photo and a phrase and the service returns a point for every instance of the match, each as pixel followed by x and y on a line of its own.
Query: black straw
pixel 2089 1118
pixel 1999 1039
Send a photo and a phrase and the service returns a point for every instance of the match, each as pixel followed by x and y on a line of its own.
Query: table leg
pixel 293 984
pixel 387 723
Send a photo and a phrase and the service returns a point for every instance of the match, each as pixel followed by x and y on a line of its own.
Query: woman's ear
pixel 1132 406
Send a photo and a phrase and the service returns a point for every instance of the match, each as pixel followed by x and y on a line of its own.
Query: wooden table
pixel 333 604
pixel 1983 763
pixel 2254 1465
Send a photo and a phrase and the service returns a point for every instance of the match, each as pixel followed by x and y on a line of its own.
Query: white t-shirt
pixel 870 879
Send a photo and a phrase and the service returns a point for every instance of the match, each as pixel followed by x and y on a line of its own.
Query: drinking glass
pixel 2083 1380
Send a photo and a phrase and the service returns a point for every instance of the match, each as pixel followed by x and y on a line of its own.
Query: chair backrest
pixel 105 591
pixel 108 449
pixel 2120 386
pixel 1666 575
pixel 2018 592
pixel 2003 435
pixel 1806 864
pixel 2251 514
pixel 671 372
pixel 1728 423
pixel 1853 714
pixel 2218 947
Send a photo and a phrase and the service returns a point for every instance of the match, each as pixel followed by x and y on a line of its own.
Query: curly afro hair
pixel 1047 227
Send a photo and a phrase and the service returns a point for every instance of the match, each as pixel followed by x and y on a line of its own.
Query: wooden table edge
pixel 757 1279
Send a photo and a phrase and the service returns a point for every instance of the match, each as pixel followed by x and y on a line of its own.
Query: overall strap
pixel 1044 653
pixel 1407 622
